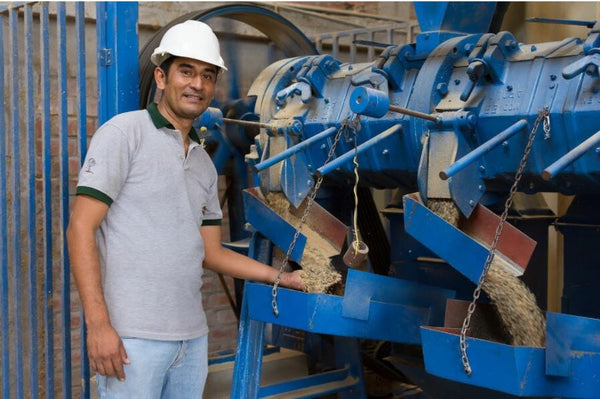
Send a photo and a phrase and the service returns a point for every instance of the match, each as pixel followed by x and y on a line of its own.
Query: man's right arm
pixel 105 348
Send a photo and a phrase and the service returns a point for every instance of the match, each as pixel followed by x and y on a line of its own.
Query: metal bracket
pixel 105 57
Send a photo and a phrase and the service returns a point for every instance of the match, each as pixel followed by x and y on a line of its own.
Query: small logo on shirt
pixel 90 164
pixel 204 209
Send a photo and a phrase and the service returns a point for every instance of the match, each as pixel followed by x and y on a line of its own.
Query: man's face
pixel 188 88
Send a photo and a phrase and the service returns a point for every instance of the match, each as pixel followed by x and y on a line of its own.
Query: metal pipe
pixel 571 156
pixel 249 123
pixel 318 14
pixel 32 204
pixel 416 114
pixel 47 198
pixel 63 145
pixel 16 203
pixel 4 311
pixel 482 149
pixel 336 163
pixel 335 11
pixel 82 128
pixel 294 149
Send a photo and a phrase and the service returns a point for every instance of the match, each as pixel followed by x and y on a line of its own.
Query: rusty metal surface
pixel 513 243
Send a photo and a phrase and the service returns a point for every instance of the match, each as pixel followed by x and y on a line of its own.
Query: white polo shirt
pixel 151 250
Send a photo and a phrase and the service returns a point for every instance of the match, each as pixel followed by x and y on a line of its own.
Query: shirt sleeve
pixel 106 164
pixel 211 212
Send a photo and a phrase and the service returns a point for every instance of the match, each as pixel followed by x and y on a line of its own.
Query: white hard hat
pixel 190 39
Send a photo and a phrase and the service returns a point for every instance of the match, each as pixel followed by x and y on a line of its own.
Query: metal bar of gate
pixel 31 214
pixel 82 144
pixel 47 197
pixel 16 199
pixel 4 311
pixel 61 28
pixel 33 119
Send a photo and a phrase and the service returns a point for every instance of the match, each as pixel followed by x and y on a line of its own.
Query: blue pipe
pixel 4 234
pixel 571 156
pixel 296 148
pixel 82 124
pixel 47 197
pixel 63 131
pixel 16 203
pixel 31 214
pixel 336 163
pixel 482 149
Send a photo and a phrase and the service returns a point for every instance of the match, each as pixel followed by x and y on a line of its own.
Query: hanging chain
pixel 345 126
pixel 543 115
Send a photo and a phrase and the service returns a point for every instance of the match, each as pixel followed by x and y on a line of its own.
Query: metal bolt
pixel 481 169
pixel 533 48
pixel 299 195
pixel 597 150
pixel 296 128
pixel 385 152
pixel 480 187
pixel 553 77
pixel 509 88
pixel 591 70
pixel 531 186
pixel 323 147
pixel 457 81
pixel 471 202
pixel 442 88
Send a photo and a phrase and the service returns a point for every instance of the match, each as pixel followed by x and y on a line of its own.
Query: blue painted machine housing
pixel 476 84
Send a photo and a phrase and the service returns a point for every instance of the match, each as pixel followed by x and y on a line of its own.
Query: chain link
pixel 544 116
pixel 345 126
pixel 546 125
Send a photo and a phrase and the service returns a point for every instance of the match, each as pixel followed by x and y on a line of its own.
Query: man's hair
pixel 166 65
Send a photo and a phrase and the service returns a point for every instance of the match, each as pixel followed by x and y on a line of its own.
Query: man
pixel 144 222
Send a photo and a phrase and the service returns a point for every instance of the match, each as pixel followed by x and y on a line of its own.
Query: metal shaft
pixel 416 114
pixel 249 123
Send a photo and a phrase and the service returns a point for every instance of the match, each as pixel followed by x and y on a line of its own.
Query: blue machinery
pixel 447 118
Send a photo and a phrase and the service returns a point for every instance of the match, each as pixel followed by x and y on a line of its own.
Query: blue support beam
pixel 117 58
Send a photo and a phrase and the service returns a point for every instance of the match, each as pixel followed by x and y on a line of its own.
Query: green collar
pixel 160 121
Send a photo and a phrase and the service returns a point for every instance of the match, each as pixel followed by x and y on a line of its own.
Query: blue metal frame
pixel 117 58
pixel 16 200
pixel 4 231
pixel 47 198
pixel 82 128
pixel 20 285
pixel 31 214
pixel 63 139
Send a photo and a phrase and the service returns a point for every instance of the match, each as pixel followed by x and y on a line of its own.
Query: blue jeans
pixel 160 370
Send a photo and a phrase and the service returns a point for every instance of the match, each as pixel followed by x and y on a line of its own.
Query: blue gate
pixel 51 103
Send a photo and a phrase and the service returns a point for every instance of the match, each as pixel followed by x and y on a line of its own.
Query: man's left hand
pixel 292 280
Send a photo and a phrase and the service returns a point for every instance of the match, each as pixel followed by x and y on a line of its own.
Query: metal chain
pixel 543 115
pixel 344 127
